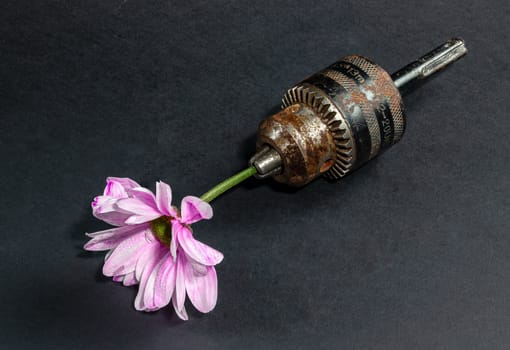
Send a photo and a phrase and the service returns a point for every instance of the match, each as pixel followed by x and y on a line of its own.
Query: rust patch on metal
pixel 302 139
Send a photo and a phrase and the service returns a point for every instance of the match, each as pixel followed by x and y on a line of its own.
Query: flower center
pixel 162 229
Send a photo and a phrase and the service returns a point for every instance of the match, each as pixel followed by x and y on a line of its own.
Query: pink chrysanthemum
pixel 154 246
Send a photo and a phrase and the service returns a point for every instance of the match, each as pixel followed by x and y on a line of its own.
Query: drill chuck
pixel 341 117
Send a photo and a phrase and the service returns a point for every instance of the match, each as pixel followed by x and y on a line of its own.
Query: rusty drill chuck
pixel 341 117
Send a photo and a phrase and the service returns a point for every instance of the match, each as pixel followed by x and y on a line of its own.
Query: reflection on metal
pixel 267 162
pixel 425 66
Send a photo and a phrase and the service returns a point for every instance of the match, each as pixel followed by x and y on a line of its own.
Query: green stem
pixel 228 184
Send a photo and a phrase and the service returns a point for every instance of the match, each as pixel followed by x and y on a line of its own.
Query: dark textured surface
pixel 410 252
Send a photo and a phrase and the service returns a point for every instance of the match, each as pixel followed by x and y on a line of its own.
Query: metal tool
pixel 341 117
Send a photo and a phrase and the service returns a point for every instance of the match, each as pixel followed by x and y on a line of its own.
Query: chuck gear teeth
pixel 329 115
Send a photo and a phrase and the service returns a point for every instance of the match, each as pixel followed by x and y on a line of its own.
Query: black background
pixel 410 252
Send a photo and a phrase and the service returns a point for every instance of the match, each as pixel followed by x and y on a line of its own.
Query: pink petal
pixel 123 258
pixel 202 289
pixel 145 298
pixel 104 208
pixel 140 211
pixel 196 250
pixel 176 227
pixel 129 279
pixel 181 312
pixel 197 267
pixel 180 285
pixel 109 239
pixel 119 186
pixel 108 254
pixel 114 189
pixel 164 198
pixel 136 206
pixel 140 219
pixel 146 257
pixel 194 209
pixel 150 288
pixel 165 281
pixel 102 203
pixel 118 278
pixel 145 195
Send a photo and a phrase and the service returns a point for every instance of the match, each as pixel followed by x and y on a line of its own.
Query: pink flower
pixel 154 246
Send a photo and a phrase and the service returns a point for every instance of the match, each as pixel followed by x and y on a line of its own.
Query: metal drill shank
pixel 436 60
